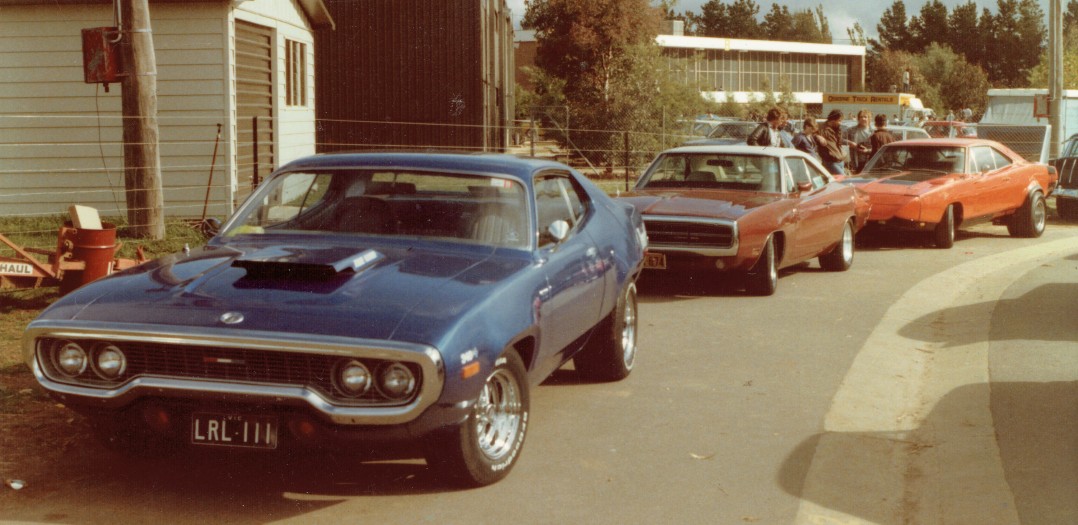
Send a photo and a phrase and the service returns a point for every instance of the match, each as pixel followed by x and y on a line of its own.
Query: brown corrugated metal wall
pixel 413 73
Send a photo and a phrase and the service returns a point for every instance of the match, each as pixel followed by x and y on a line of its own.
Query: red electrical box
pixel 100 55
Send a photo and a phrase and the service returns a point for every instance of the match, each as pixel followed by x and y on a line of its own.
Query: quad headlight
pixel 70 358
pixel 109 361
pixel 80 360
pixel 353 378
pixel 396 381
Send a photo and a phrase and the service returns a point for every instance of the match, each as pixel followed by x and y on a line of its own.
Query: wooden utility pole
pixel 142 161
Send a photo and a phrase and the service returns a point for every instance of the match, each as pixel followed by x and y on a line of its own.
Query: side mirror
pixel 804 186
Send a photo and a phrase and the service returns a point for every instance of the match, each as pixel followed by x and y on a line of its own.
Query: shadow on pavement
pixel 945 467
pixel 1041 308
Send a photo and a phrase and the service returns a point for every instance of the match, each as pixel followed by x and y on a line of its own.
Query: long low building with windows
pixel 735 69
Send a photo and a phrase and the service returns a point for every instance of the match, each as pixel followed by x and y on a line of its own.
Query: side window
pixel 982 160
pixel 799 171
pixel 1001 160
pixel 819 178
pixel 559 197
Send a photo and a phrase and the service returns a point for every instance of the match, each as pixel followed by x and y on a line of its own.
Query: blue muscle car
pixel 360 300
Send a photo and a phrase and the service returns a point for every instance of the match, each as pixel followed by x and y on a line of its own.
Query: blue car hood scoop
pixel 293 263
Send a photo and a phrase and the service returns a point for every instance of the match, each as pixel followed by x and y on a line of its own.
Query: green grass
pixel 20 306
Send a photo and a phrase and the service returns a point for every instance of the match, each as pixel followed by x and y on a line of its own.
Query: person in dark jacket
pixel 768 133
pixel 805 140
pixel 831 142
pixel 881 136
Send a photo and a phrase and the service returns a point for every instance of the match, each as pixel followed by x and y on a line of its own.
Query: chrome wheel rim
pixel 1040 213
pixel 847 243
pixel 772 268
pixel 628 329
pixel 498 414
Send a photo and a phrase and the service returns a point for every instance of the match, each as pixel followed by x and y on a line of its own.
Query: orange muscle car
pixel 939 185
pixel 747 209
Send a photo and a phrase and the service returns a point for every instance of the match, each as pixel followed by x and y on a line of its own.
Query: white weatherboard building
pixel 218 62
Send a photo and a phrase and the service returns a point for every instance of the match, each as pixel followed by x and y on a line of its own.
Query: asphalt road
pixel 922 386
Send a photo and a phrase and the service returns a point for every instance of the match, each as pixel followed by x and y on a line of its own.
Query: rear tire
pixel 943 234
pixel 763 278
pixel 1029 220
pixel 483 449
pixel 611 352
pixel 840 258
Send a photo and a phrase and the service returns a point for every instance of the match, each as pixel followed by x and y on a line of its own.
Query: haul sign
pixel 854 98
pixel 9 268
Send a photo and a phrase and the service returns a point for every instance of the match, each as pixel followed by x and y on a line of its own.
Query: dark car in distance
pixel 357 300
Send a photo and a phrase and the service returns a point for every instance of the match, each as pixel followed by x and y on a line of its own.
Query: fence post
pixel 531 135
pixel 626 161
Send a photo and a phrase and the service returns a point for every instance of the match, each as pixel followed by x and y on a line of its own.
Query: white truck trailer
pixel 903 107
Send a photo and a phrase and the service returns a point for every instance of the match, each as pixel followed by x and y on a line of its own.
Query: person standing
pixel 768 132
pixel 858 139
pixel 830 144
pixel 881 136
pixel 805 140
pixel 906 87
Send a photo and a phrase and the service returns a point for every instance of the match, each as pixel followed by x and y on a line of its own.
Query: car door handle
pixel 828 203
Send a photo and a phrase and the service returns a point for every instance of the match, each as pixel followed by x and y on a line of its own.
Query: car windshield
pixel 454 207
pixel 928 160
pixel 733 130
pixel 713 170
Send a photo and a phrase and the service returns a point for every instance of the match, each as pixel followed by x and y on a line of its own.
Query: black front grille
pixel 689 233
pixel 313 371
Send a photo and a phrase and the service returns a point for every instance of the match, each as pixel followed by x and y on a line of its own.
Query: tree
pixel 614 74
pixel 894 29
pixel 778 24
pixel 737 20
pixel 581 40
pixel 1015 42
pixel 963 35
pixel 1038 76
pixel 886 70
pixel 930 27
pixel 949 81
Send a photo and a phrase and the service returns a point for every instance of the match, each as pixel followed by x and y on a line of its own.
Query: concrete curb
pixel 909 437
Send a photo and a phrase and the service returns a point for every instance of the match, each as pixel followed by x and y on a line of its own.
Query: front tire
pixel 1029 220
pixel 840 258
pixel 943 234
pixel 763 278
pixel 485 447
pixel 611 352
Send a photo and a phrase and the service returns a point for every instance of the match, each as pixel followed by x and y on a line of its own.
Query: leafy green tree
pixel 779 23
pixel 886 70
pixel 950 82
pixel 1015 42
pixel 736 20
pixel 615 77
pixel 963 35
pixel 930 27
pixel 1038 76
pixel 894 28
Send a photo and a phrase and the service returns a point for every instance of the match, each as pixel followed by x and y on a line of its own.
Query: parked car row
pixel 411 301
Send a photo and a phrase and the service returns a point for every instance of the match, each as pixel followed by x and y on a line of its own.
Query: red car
pixel 746 209
pixel 939 185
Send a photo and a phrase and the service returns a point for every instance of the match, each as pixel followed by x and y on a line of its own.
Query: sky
pixel 841 14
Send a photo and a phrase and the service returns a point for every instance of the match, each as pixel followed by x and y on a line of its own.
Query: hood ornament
pixel 231 318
